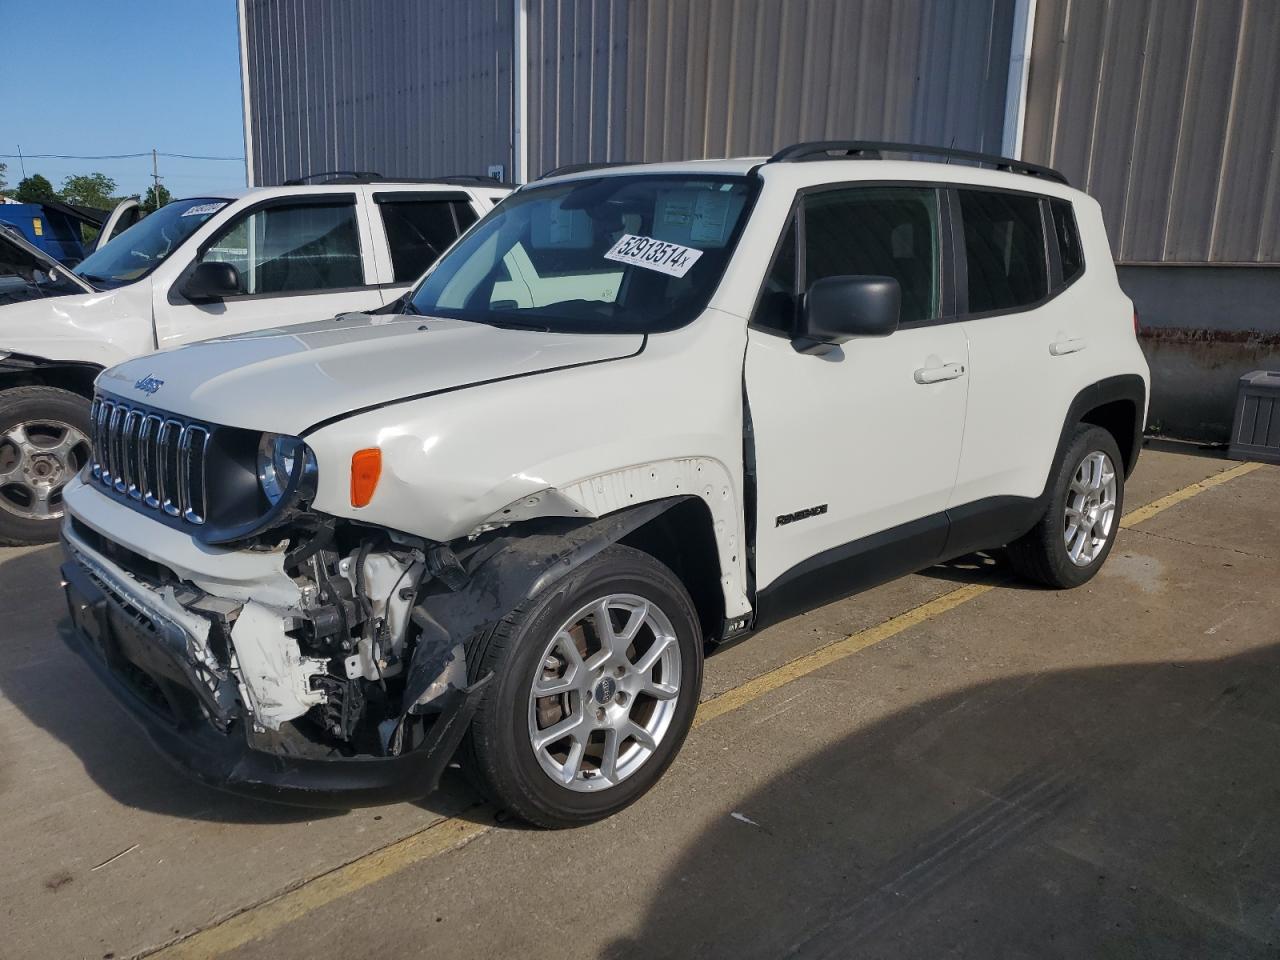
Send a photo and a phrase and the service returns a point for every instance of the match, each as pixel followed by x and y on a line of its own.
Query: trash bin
pixel 1255 433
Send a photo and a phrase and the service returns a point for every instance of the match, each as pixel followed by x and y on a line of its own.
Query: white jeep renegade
pixel 201 267
pixel 633 413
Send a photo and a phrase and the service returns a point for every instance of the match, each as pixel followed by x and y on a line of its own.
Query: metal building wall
pixel 1167 111
pixel 400 87
pixel 677 79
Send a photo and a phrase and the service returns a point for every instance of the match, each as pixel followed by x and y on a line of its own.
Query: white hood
pixel 288 379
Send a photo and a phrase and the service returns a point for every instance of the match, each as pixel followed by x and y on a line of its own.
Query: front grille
pixel 152 458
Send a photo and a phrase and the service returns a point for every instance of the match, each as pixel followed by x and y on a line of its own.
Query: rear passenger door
pixel 1028 346
pixel 411 231
pixel 855 449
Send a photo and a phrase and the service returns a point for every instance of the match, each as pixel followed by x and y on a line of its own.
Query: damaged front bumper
pixel 159 688
pixel 254 679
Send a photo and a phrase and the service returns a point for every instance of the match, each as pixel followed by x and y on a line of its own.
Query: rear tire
pixel 1071 541
pixel 556 668
pixel 44 442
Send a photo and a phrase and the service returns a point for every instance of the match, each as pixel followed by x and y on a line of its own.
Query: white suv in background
pixel 635 412
pixel 197 268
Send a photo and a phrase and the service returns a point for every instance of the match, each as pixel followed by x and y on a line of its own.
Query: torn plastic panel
pixel 502 569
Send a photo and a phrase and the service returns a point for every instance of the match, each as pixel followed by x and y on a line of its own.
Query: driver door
pixel 300 258
pixel 857 448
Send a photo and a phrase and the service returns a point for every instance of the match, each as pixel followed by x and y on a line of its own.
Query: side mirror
pixel 212 281
pixel 837 309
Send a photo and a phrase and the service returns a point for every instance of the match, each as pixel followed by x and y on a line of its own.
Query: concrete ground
pixel 952 764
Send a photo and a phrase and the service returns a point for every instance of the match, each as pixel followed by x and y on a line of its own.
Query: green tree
pixel 34 189
pixel 89 190
pixel 4 168
pixel 152 202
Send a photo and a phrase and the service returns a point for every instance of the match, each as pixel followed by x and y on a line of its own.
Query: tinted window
pixel 777 307
pixel 1064 225
pixel 292 249
pixel 1004 250
pixel 418 231
pixel 878 231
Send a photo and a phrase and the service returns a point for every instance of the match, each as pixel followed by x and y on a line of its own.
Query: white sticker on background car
pixel 669 258
pixel 203 209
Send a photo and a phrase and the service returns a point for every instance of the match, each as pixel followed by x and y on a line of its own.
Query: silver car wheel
pixel 605 693
pixel 37 458
pixel 1091 508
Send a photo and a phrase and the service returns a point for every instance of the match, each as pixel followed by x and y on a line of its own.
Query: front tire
pixel 1072 540
pixel 595 686
pixel 44 441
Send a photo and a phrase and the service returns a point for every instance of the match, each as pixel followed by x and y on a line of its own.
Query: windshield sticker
pixel 669 258
pixel 204 209
pixel 710 218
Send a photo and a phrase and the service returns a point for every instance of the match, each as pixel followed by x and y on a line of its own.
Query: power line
pixel 110 156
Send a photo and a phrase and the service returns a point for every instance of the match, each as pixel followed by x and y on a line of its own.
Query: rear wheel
pixel 44 442
pixel 1075 535
pixel 596 682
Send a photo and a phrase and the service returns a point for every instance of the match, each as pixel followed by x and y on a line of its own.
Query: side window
pixel 419 230
pixel 777 307
pixel 878 231
pixel 293 249
pixel 1004 250
pixel 1069 252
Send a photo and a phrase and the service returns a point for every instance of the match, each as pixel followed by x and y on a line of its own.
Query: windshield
pixel 148 243
pixel 615 254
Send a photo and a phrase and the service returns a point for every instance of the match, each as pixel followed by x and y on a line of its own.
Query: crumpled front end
pixel 306 669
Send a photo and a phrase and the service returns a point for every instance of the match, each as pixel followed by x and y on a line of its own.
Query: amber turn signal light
pixel 366 468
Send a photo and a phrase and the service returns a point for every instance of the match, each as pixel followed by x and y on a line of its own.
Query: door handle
pixel 948 371
pixel 1060 348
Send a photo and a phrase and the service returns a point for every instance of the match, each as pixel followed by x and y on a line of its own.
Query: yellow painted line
pixel 263 919
pixel 753 689
pixel 1186 493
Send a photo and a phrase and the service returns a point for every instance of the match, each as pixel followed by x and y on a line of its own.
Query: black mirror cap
pixel 837 309
pixel 211 280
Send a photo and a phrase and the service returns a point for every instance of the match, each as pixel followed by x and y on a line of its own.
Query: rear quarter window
pixel 1070 254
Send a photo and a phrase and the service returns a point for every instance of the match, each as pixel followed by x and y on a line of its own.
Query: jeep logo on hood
pixel 148 385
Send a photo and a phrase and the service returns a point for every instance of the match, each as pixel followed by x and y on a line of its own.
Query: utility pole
pixel 22 163
pixel 155 176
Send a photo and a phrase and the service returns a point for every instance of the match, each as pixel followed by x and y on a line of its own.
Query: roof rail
pixel 359 177
pixel 872 150
pixel 584 167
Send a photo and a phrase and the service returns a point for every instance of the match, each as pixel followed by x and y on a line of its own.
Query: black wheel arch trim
pixel 1128 386
pixel 30 364
pixel 503 570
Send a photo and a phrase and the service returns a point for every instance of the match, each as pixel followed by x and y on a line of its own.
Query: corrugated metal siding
pixel 400 87
pixel 1167 111
pixel 677 79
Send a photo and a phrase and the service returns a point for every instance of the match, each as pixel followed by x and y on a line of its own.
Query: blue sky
pixel 122 76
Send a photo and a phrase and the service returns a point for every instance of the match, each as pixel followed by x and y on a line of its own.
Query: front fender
pixel 497 574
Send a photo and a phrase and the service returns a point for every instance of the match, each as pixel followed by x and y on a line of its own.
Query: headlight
pixel 278 457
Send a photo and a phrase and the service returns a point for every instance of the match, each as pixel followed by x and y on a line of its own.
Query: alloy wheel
pixel 605 693
pixel 37 458
pixel 1090 509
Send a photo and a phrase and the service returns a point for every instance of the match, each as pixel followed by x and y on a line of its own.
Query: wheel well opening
pixel 1120 419
pixel 684 539
pixel 74 378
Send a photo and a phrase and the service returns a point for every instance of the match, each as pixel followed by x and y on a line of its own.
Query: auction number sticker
pixel 669 258
pixel 203 209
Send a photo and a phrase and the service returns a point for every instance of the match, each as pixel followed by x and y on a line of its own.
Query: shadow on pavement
pixel 1102 812
pixel 57 693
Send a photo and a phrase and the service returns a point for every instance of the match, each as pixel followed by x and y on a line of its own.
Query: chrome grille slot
pixel 132 473
pixel 158 461
pixel 149 457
